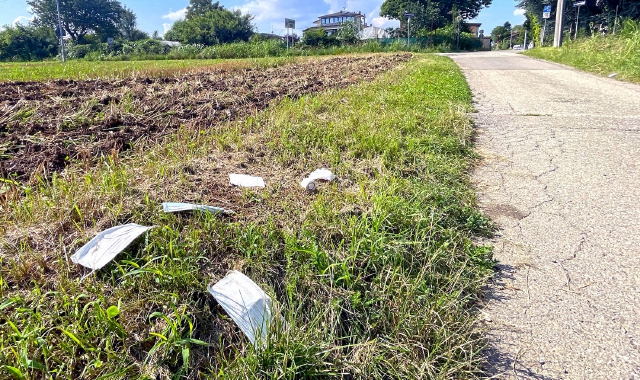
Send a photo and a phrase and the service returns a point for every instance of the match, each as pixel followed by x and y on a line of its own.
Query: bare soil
pixel 45 125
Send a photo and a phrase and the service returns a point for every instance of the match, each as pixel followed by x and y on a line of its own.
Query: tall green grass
pixel 375 276
pixel 618 53
pixel 110 70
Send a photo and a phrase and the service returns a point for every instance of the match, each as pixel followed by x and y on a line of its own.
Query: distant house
pixel 474 28
pixel 332 22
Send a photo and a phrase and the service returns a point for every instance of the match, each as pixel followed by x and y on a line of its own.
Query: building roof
pixel 342 13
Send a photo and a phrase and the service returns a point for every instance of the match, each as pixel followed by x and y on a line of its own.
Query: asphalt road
pixel 560 176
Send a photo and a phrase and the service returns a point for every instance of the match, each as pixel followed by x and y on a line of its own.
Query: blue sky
pixel 160 14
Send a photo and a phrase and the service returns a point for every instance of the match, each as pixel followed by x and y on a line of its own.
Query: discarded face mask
pixel 309 183
pixel 103 248
pixel 244 180
pixel 178 207
pixel 247 304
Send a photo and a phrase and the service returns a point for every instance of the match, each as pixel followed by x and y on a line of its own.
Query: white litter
pixel 178 207
pixel 308 184
pixel 318 174
pixel 104 247
pixel 246 304
pixel 244 180
pixel 612 75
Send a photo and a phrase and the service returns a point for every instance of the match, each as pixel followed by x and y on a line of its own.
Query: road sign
pixel 289 23
pixel 546 12
pixel 579 3
pixel 408 15
pixel 110 42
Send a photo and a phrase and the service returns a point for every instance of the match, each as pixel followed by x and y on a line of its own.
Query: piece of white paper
pixel 244 180
pixel 178 207
pixel 318 174
pixel 246 304
pixel 100 250
pixel 323 174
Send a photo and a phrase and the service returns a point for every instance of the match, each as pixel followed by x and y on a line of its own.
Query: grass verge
pixel 601 55
pixel 375 275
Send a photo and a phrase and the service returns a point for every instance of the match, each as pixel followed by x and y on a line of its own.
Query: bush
pixel 27 43
pixel 188 51
pixel 319 38
pixel 268 48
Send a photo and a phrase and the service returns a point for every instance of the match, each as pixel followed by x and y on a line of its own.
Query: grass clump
pixel 602 55
pixel 374 276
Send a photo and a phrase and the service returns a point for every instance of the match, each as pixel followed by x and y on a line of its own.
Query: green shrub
pixel 27 43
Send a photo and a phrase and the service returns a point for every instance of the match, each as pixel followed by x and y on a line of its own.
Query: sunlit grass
pixel 109 70
pixel 375 275
pixel 619 54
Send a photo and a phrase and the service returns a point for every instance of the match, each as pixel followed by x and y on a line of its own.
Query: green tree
pixel 318 38
pixel 128 26
pixel 348 33
pixel 198 8
pixel 468 9
pixel 501 33
pixel 214 27
pixel 596 13
pixel 27 43
pixel 80 17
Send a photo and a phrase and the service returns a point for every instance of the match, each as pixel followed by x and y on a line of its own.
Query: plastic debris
pixel 309 183
pixel 244 180
pixel 247 304
pixel 105 247
pixel 612 75
pixel 177 207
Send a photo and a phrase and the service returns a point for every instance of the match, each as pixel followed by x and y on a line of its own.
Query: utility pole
pixel 408 15
pixel 557 36
pixel 525 40
pixel 577 22
pixel 64 57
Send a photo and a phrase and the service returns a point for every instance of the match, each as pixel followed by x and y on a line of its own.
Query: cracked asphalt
pixel 560 176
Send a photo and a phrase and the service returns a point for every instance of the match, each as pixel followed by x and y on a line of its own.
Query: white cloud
pixel 270 14
pixel 263 9
pixel 177 15
pixel 383 22
pixel 23 20
pixel 519 12
pixel 334 5
pixel 166 27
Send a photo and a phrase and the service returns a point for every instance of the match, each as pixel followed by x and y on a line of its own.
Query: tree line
pixel 596 17
pixel 91 22
pixel 86 23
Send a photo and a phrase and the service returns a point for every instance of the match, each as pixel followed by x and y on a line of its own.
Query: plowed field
pixel 44 125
